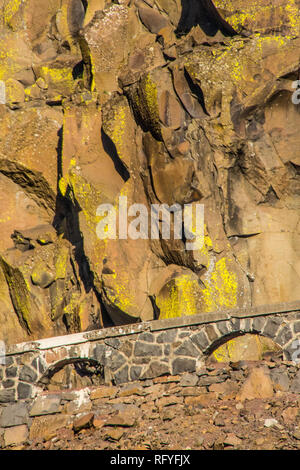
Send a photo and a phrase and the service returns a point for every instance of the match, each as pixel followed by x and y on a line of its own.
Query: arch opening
pixel 244 347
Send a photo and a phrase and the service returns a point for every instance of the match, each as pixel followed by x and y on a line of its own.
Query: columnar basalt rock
pixel 164 102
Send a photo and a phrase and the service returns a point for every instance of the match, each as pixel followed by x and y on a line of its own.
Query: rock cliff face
pixel 164 102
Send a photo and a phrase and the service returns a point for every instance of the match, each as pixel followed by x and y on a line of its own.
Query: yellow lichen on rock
pixel 59 78
pixel 294 18
pixel 87 197
pixel 180 298
pixel 119 130
pixel 14 92
pixel 259 16
pixel 120 295
pixel 19 293
pixel 187 295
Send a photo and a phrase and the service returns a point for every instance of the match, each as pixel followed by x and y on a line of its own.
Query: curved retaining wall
pixel 145 350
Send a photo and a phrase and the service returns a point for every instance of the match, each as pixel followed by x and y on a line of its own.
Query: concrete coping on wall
pixel 155 325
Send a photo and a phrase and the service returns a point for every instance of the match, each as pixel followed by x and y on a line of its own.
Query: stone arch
pixel 84 366
pixel 282 331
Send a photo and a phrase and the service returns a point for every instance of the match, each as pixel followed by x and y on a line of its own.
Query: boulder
pixel 257 385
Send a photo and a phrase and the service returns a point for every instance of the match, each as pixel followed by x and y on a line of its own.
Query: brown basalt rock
pixel 114 434
pixel 202 400
pixel 190 103
pixel 258 385
pixel 152 19
pixel 16 435
pixel 122 420
pixel 103 392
